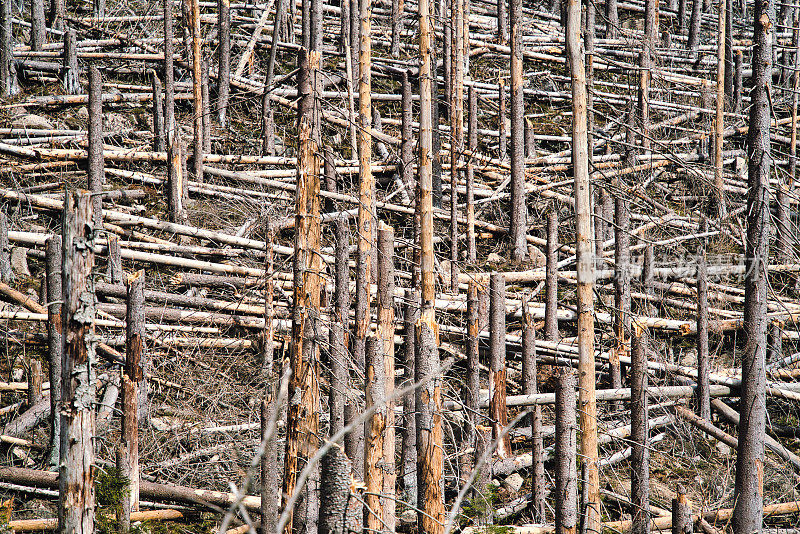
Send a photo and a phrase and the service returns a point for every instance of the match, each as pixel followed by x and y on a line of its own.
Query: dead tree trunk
pixel 132 377
pixel 622 289
pixel 96 165
pixel 339 354
pixel 224 59
pixel 694 27
pixel 430 455
pixel 501 119
pixel 76 477
pixel 397 26
pixel 612 19
pixel 456 133
pixel 55 341
pixel 270 473
pixel 719 120
pixel 268 353
pixel 344 27
pixel 115 272
pixel 497 367
pixel 737 81
pixel 585 272
pixel 34 383
pixel 197 91
pixel 6 273
pixel 640 455
pixel 124 503
pixel 703 399
pixel 519 217
pixel 536 506
pixel 407 147
pixel 375 434
pixel 729 54
pixel 386 324
pixel 566 475
pixel 472 143
pixel 335 513
pixel 204 80
pixel 551 276
pixel 175 178
pixel 681 513
pixel 408 451
pixel 472 384
pixel 38 29
pixel 302 422
pixel 69 67
pixel 748 489
pixel 55 17
pixel 159 142
pixel 8 71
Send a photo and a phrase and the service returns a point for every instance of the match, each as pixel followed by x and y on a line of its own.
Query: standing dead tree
pixel 96 165
pixel 224 60
pixel 497 367
pixel 566 475
pixel 748 489
pixel 385 330
pixel 519 217
pixel 55 341
pixel 374 434
pixel 640 456
pixel 302 422
pixel 76 478
pixel 175 177
pixel 132 379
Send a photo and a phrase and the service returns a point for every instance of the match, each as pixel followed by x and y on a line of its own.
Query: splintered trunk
pixel 536 506
pixel 551 276
pixel 519 218
pixel 497 366
pixel 302 422
pixel 430 449
pixel 224 59
pixel 94 156
pixel 748 489
pixel 681 513
pixel 132 376
pixel 175 178
pixel 197 91
pixel 339 354
pixel 566 475
pixel 55 340
pixel 76 472
pixel 386 324
pixel 585 273
pixel 640 456
pixel 703 399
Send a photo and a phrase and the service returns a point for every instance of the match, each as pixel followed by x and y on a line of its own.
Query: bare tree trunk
pixel 397 26
pixel 737 81
pixel 472 384
pixel 76 476
pixel 132 376
pixel 640 455
pixel 648 274
pixel 566 475
pixel 34 383
pixel 585 272
pixel 407 147
pixel 748 489
pixel 612 19
pixel 8 71
pixel 270 473
pixel 551 276
pixel 69 68
pixel 456 133
pixel 124 504
pixel 681 16
pixel 344 27
pixel 519 216
pixel 96 165
pixel 335 513
pixel 38 29
pixel 366 192
pixel 339 354
pixel 55 16
pixel 729 54
pixel 6 273
pixel 502 23
pixel 268 354
pixel 207 103
pixel 302 423
pixel 55 341
pixel 385 330
pixel 497 366
pixel 719 120
pixel 375 433
pixel 703 400
pixel 681 513
pixel 501 119
pixel 472 135
pixel 430 451
pixel 536 506
pixel 224 59
pixel 197 91
pixel 99 8
pixel 159 143
pixel 409 433
pixel 175 177
pixel 775 345
pixel 622 289
pixel 784 231
pixel 355 41
pixel 694 27
pixel 115 272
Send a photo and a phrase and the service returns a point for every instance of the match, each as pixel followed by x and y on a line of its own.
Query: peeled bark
pixel 497 366
pixel 748 489
pixel 76 478
pixel 681 513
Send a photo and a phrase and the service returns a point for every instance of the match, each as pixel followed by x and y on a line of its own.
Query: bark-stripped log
pixel 76 473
